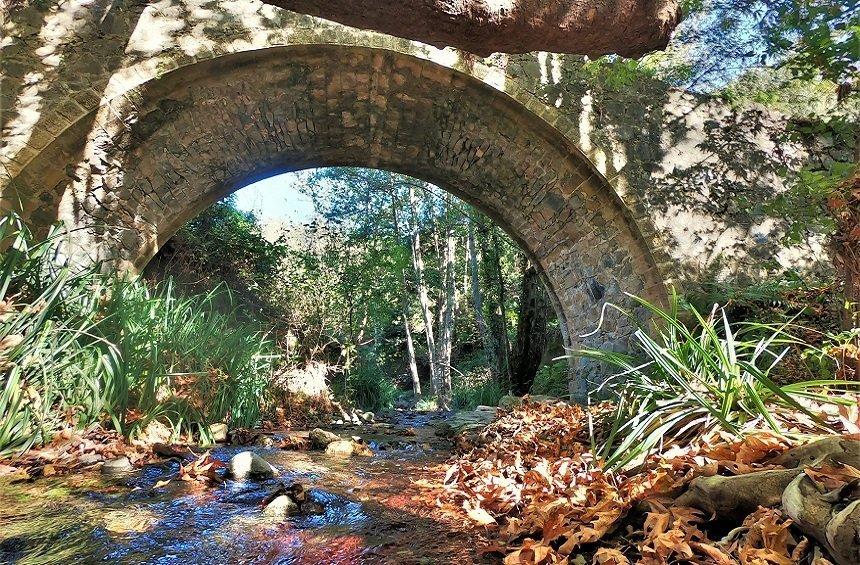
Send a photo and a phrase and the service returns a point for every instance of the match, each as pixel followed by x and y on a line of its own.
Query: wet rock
pixel 320 438
pixel 117 466
pixel 464 421
pixel 249 465
pixel 219 432
pixel 265 442
pixel 281 507
pixel 347 448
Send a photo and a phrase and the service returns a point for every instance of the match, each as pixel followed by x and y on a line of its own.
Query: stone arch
pixel 159 153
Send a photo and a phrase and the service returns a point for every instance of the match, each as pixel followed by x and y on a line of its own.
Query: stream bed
pixel 364 511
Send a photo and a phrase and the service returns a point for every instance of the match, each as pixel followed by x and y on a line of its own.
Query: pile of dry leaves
pixel 531 478
pixel 73 449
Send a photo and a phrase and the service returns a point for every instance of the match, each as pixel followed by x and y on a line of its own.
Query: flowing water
pixel 364 512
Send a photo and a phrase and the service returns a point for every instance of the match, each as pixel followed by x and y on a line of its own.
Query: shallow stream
pixel 365 512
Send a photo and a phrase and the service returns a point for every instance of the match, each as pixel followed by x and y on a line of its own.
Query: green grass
pixel 689 378
pixel 369 387
pixel 77 348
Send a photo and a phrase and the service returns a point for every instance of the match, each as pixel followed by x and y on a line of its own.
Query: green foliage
pixel 191 360
pixel 817 39
pixel 426 404
pixel 369 387
pixel 721 40
pixel 226 243
pixel 78 346
pixel 804 204
pixel 476 388
pixel 691 379
pixel 55 369
pixel 778 89
pixel 552 380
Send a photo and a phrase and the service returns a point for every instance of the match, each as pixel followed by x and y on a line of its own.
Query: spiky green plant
pixel 53 365
pixel 191 360
pixel 77 347
pixel 687 379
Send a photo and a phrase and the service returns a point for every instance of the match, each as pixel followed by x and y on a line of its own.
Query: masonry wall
pixel 127 119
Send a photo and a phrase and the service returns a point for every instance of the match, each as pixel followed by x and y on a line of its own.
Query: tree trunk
pixel 584 27
pixel 423 298
pixel 531 330
pixel 410 351
pixel 446 332
pixel 844 206
pixel 487 338
pixel 493 282
pixel 404 297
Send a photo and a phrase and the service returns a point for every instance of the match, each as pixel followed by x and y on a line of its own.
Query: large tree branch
pixel 587 27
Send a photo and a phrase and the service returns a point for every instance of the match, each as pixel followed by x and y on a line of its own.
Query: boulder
pixel 249 465
pixel 117 466
pixel 155 432
pixel 280 508
pixel 347 448
pixel 219 432
pixel 320 438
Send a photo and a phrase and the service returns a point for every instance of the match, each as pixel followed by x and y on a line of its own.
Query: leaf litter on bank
pixel 533 479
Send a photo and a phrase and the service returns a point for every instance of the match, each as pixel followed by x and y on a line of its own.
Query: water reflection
pixel 90 518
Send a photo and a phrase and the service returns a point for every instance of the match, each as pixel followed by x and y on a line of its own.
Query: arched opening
pixel 169 148
pixel 377 284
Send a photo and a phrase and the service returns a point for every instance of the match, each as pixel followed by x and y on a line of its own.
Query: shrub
pixel 191 360
pixel 56 371
pixel 369 387
pixel 76 346
pixel 691 379
pixel 476 388
pixel 552 380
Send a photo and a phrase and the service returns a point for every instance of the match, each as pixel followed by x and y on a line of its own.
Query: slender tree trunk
pixel 446 331
pixel 844 206
pixel 423 298
pixel 531 330
pixel 487 338
pixel 404 297
pixel 491 275
pixel 410 351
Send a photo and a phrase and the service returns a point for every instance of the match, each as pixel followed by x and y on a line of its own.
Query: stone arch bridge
pixel 126 120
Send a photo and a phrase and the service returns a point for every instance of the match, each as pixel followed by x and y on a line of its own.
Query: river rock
pixel 265 442
pixel 464 421
pixel 249 465
pixel 347 448
pixel 320 438
pixel 509 401
pixel 155 432
pixel 117 466
pixel 280 507
pixel 219 432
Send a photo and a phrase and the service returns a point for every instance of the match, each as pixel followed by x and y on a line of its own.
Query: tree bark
pixel 446 332
pixel 531 330
pixel 493 282
pixel 844 206
pixel 410 352
pixel 487 338
pixel 423 298
pixel 586 27
pixel 404 297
